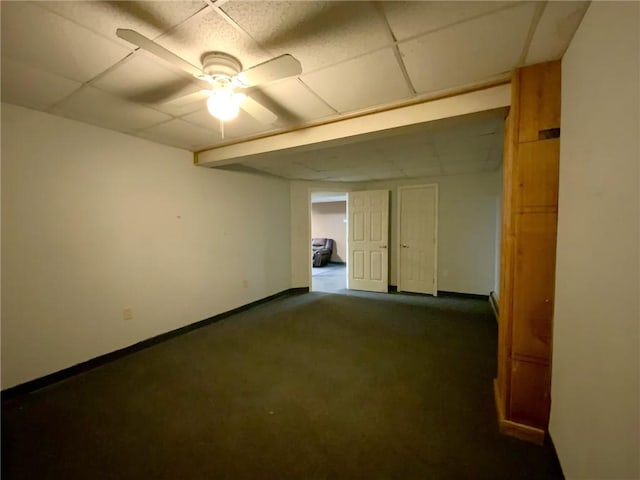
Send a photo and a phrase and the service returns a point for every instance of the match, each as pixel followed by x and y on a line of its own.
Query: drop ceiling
pixel 457 145
pixel 65 59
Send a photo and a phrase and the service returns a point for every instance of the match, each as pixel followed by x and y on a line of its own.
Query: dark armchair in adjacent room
pixel 322 248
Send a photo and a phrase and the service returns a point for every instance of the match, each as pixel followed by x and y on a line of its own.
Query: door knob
pixel 405 246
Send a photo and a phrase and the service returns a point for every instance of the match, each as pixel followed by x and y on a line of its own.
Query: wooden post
pixel 528 252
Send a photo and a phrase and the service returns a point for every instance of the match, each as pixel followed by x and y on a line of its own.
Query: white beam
pixel 356 128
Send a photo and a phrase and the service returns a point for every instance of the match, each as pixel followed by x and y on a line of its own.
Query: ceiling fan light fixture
pixel 224 103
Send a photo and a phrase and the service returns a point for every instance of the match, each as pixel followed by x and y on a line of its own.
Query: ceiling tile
pixel 181 134
pixel 37 37
pixel 464 157
pixel 203 118
pixel 206 32
pixel 408 19
pixel 140 78
pixel 33 88
pixel 331 162
pixel 349 178
pixel 468 52
pixel 422 171
pixel 296 170
pixel 481 124
pixel 555 30
pixel 385 174
pixel 93 106
pixel 150 18
pixel 451 144
pixel 275 162
pixel 420 160
pixel 464 168
pixel 296 99
pixel 317 33
pixel 316 175
pixel 408 153
pixel 367 81
pixel 242 126
pixel 178 108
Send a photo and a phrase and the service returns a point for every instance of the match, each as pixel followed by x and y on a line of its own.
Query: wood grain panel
pixel 528 245
pixel 539 99
pixel 536 174
pixel 506 265
pixel 530 393
pixel 533 284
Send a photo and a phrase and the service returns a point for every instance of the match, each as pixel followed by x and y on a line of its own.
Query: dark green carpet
pixel 311 386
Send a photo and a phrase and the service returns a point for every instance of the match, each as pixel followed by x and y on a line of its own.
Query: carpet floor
pixel 312 386
pixel 332 278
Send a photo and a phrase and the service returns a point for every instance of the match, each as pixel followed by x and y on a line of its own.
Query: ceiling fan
pixel 224 76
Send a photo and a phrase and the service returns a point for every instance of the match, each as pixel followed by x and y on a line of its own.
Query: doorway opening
pixel 328 241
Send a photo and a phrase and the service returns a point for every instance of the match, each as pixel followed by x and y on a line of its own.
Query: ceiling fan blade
pixel 161 92
pixel 279 67
pixel 258 111
pixel 187 99
pixel 150 46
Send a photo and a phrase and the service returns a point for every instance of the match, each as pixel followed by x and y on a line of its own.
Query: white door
pixel 418 211
pixel 368 240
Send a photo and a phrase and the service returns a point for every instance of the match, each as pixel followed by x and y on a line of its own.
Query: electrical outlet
pixel 245 283
pixel 127 313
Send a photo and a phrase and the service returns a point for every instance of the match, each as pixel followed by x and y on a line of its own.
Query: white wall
pixel 328 220
pixel 94 221
pixel 595 405
pixel 466 229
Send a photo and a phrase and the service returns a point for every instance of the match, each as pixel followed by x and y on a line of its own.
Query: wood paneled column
pixel 528 252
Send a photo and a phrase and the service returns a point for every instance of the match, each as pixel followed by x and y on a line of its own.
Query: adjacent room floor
pixel 352 386
pixel 331 278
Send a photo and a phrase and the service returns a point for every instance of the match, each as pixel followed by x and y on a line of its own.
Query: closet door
pixel 418 221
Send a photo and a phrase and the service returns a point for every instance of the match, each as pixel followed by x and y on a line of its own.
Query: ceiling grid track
pixel 394 46
pixel 396 42
pixel 215 6
pixel 362 62
pixel 117 64
pixel 535 21
pixel 312 92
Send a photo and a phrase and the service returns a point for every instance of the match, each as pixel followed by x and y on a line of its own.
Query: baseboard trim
pixel 515 429
pixel 45 381
pixel 494 305
pixel 445 293
pixel 441 293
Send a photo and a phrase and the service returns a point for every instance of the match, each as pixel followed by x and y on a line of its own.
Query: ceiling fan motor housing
pixel 220 64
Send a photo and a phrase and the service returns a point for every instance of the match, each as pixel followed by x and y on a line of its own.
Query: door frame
pixel 310 192
pixel 399 231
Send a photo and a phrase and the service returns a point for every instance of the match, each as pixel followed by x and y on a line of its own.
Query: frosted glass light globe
pixel 224 104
